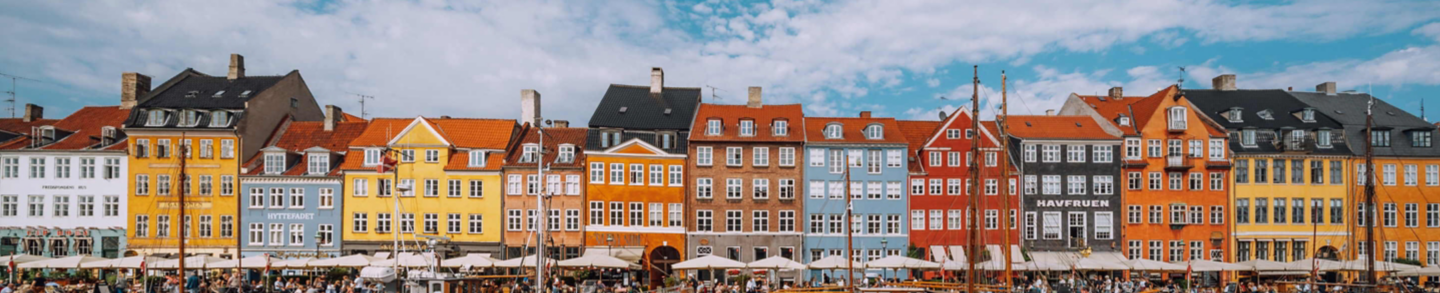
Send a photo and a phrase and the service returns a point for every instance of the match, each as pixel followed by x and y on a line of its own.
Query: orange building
pixel 1175 171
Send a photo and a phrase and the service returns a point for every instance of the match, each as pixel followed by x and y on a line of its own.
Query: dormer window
pixel 1420 138
pixel 274 163
pixel 1247 137
pixel 372 157
pixel 1123 121
pixel 189 118
pixel 874 132
pixel 1265 114
pixel 245 94
pixel 1380 138
pixel 1322 138
pixel 1177 118
pixel 1234 115
pixel 157 118
pixel 192 94
pixel 780 128
pixel 219 119
pixel 609 138
pixel 1308 116
pixel 529 153
pixel 477 158
pixel 44 135
pixel 218 94
pixel 318 164
pixel 567 154
pixel 747 127
pixel 107 135
pixel 832 131
pixel 712 127
pixel 667 140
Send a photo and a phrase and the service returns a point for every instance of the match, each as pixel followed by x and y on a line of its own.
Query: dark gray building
pixel 1070 174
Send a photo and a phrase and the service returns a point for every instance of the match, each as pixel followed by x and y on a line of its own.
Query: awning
pixel 349 261
pixel 901 262
pixel 473 260
pixel 631 254
pixel 597 260
pixel 776 263
pixel 708 262
pixel 72 262
pixel 957 253
pixel 937 254
pixel 835 262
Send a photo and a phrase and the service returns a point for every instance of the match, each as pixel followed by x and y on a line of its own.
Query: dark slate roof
pixel 1349 110
pixel 172 94
pixel 643 111
pixel 682 144
pixel 1251 102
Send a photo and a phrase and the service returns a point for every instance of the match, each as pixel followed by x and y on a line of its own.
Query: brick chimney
pixel 1224 82
pixel 864 114
pixel 237 67
pixel 530 107
pixel 657 80
pixel 1328 88
pixel 1117 93
pixel 562 123
pixel 132 87
pixel 1050 112
pixel 754 101
pixel 33 112
pixel 333 115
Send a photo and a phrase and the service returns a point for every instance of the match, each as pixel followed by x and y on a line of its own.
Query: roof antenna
pixel 1422 110
pixel 11 99
pixel 362 103
pixel 713 96
pixel 1181 81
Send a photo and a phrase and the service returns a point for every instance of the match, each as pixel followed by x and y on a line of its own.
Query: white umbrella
pixel 193 262
pixel 708 262
pixel 409 260
pixel 1429 271
pixel 520 262
pixel 474 260
pixel 132 262
pixel 349 261
pixel 1359 265
pixel 23 258
pixel 1201 265
pixel 1102 261
pixel 1310 264
pixel 254 262
pixel 1141 264
pixel 1261 265
pixel 72 262
pixel 297 263
pixel 776 263
pixel 595 260
pixel 901 262
pixel 835 262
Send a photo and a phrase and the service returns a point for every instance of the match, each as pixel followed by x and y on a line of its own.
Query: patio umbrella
pixel 520 262
pixel 900 262
pixel 254 262
pixel 193 262
pixel 1359 265
pixel 776 263
pixel 132 262
pixel 1261 265
pixel 1310 264
pixel 708 262
pixel 72 262
pixel 22 258
pixel 1429 271
pixel 835 262
pixel 1201 265
pixel 597 260
pixel 298 263
pixel 409 260
pixel 1102 261
pixel 473 260
pixel 349 261
pixel 1141 264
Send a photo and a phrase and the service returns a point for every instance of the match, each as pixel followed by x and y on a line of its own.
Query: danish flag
pixel 387 163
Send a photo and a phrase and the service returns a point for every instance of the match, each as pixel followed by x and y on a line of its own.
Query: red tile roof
pixel 460 132
pixel 1142 107
pixel 1056 127
pixel 461 161
pixel 298 136
pixel 730 116
pixel 553 139
pixel 19 126
pixel 87 123
pixel 918 132
pixel 852 130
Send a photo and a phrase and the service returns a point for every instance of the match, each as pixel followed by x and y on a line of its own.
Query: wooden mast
pixel 184 153
pixel 1005 179
pixel 975 181
pixel 849 227
pixel 1369 194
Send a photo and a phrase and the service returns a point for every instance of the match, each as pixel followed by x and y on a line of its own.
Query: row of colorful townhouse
pixel 657 177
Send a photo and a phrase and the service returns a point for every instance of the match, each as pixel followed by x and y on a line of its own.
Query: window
pixel 1177 118
pixel 992 219
pixel 954 219
pixel 733 156
pixel 1155 183
pixel 1103 153
pixel 1152 148
pixel 617 173
pixel 952 134
pixel 787 156
pixel 382 222
pixel 1380 138
pixel 747 127
pixel 733 221
pixel 1217 181
pixel 359 222
pixel 1388 214
pixel 780 128
pixel 327 198
pixel 277 234
pixel 1411 175
pixel 297 234
pixel 733 188
pixel 937 221
pixel 760 221
pixel 760 156
pixel 703 188
pixel 1157 214
pixel 952 159
pixel 1075 184
pixel 874 132
pixel 162 184
pixel 1132 148
pixel 1132 214
pixel 274 163
pixel 407 223
pixel 1030 225
pixel 837 161
pixel 637 174
pixel 1051 185
pixel 832 131
pixel 1052 225
pixel 675 176
pixel 1028 154
pixel 873 163
pixel 1050 153
pixel 1104 225
pixel 1196 150
pixel 992 186
pixel 1104 185
pixel 1420 138
pixel 787 188
pixel 1388 174
pixel 893 158
pixel 1075 153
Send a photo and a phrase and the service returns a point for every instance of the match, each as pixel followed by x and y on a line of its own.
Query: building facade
pixel 1289 193
pixel 1070 198
pixel 635 152
pixel 1175 191
pixel 444 187
pixel 745 170
pixel 1406 169
pixel 563 156
pixel 291 203
pixel 214 123
pixel 869 153
pixel 62 183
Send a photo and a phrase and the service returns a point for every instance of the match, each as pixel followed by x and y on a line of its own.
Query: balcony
pixel 1178 162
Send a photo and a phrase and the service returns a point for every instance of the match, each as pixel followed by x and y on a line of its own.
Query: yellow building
pixel 211 124
pixel 1288 199
pixel 447 181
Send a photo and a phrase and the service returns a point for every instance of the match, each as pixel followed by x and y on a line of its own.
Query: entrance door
pixel 660 260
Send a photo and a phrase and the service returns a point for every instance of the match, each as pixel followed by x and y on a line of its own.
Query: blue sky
pixel 471 59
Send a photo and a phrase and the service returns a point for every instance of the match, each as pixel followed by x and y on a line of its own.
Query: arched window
pixel 832 131
pixel 157 118
pixel 874 131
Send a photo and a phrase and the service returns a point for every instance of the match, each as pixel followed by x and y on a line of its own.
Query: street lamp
pixel 317 244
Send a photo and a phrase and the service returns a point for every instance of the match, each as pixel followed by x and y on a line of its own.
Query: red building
pixel 940 181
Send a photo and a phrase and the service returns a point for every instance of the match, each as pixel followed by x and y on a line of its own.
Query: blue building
pixel 291 194
pixel 875 150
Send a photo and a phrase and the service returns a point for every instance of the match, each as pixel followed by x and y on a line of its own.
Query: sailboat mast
pixel 849 227
pixel 184 225
pixel 975 182
pixel 1004 178
pixel 1369 194
pixel 541 213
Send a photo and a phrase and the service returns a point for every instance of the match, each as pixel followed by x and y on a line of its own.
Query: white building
pixel 63 183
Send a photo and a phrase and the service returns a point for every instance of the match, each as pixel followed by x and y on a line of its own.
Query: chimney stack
pixel 132 86
pixel 562 124
pixel 657 80
pixel 1224 82
pixel 1117 93
pixel 864 114
pixel 333 115
pixel 754 101
pixel 237 67
pixel 1050 112
pixel 1328 88
pixel 33 112
pixel 530 107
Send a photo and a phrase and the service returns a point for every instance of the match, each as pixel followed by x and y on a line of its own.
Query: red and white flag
pixel 387 163
pixel 267 264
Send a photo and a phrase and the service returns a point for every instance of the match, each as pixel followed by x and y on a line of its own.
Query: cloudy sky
pixel 897 58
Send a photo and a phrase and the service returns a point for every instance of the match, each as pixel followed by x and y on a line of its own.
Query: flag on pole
pixel 387 163
pixel 267 263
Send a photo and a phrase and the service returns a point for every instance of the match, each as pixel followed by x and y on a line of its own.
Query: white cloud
pixel 472 58
pixel 1412 65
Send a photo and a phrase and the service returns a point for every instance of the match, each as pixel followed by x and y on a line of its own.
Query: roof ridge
pixel 646 86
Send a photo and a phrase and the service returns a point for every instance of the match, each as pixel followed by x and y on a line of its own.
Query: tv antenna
pixel 362 103
pixel 14 79
pixel 713 96
pixel 1181 81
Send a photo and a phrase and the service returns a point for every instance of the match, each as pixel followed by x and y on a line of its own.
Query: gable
pixel 636 147
pixel 419 132
pixel 950 123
